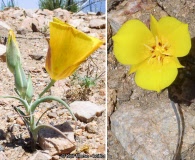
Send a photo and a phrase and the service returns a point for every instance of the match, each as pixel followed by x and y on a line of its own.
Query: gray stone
pixel 148 130
pixel 91 127
pixel 97 23
pixel 55 142
pixel 86 111
pixel 52 115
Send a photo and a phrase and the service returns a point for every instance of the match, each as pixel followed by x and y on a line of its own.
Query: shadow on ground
pixel 183 89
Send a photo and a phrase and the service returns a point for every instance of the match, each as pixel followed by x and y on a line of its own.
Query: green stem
pixel 27 107
pixel 48 87
pixel 38 101
pixel 42 115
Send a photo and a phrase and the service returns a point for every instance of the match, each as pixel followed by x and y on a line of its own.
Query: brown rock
pixel 19 121
pixel 55 142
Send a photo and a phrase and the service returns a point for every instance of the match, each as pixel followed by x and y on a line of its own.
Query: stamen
pixel 150 48
pixel 156 41
pixel 165 45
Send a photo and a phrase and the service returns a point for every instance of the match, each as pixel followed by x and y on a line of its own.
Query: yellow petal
pixel 156 76
pixel 130 40
pixel 154 26
pixel 175 33
pixel 67 50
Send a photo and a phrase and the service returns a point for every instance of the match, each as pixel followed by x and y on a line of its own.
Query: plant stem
pixel 180 122
pixel 48 87
pixel 38 101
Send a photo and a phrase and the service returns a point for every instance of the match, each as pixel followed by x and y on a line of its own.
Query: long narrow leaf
pixel 38 101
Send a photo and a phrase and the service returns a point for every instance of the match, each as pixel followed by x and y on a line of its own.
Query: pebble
pixel 52 115
pixel 19 121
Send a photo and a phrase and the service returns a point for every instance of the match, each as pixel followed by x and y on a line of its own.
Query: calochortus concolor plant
pixel 153 55
pixel 68 48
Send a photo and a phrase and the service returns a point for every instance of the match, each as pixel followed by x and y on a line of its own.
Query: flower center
pixel 159 51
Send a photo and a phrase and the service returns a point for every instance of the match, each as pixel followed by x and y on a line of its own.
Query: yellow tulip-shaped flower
pixel 68 48
pixel 152 53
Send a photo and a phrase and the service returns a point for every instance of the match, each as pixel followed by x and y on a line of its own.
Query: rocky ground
pixel 142 124
pixel 31 28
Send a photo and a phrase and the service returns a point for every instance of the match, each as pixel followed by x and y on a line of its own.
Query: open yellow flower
pixel 152 53
pixel 68 48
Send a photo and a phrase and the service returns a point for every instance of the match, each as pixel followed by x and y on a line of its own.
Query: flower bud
pixel 12 52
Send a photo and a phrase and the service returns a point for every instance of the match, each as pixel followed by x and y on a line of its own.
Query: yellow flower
pixel 68 48
pixel 152 53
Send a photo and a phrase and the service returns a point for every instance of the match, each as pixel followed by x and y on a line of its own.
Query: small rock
pixel 40 155
pixel 86 111
pixel 34 28
pixel 52 115
pixel 10 118
pixel 54 142
pixel 60 112
pixel 76 22
pixel 89 136
pixel 97 23
pixel 36 56
pixel 56 157
pixel 19 121
pixel 91 13
pixel 81 13
pixel 62 14
pixel 91 127
pixel 79 132
pixel 85 29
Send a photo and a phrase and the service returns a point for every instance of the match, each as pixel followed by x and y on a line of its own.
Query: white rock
pixel 75 22
pixel 97 23
pixel 62 14
pixel 85 111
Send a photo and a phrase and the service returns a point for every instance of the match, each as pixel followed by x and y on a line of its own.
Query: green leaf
pixel 38 101
pixel 20 80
